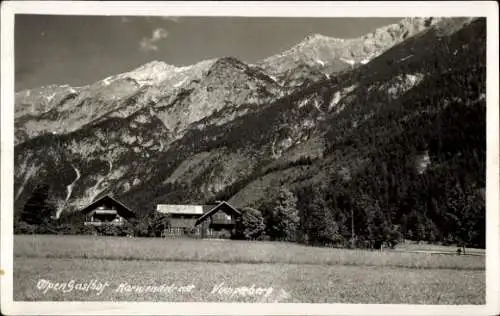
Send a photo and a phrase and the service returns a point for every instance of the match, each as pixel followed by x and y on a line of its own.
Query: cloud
pixel 175 19
pixel 149 43
pixel 158 34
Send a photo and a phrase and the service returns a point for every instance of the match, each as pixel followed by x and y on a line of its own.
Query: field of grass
pixel 226 251
pixel 295 273
pixel 412 246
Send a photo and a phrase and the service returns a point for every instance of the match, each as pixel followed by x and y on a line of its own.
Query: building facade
pixel 202 221
pixel 106 211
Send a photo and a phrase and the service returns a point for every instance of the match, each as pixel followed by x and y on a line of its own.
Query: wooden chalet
pixel 106 210
pixel 205 221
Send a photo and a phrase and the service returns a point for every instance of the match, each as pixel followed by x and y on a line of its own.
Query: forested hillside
pixel 392 148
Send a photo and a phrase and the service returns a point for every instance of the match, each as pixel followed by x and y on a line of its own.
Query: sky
pixel 79 50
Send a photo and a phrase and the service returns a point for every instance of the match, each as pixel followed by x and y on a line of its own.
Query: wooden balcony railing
pixel 99 223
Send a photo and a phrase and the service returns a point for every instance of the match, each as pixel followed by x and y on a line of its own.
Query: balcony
pixel 222 221
pixel 101 223
pixel 108 218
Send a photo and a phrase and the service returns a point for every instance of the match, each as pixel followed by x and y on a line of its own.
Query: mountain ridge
pixel 40 110
pixel 415 22
pixel 235 133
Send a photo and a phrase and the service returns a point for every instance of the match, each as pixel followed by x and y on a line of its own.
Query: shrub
pixel 250 225
pixel 24 228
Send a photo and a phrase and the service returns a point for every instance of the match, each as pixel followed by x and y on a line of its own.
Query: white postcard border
pixel 487 9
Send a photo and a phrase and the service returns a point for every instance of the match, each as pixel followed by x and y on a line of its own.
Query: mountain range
pixel 405 101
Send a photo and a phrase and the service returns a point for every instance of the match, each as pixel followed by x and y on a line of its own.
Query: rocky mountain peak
pixel 228 61
pixel 397 32
pixel 336 54
pixel 319 37
pixel 148 74
pixel 153 66
pixel 228 66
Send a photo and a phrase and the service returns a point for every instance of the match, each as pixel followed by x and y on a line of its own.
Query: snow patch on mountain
pixel 317 105
pixel 69 189
pixel 177 85
pixel 351 62
pixel 278 147
pixel 338 96
pixel 51 97
pixel 303 102
pixel 400 84
pixel 422 162
pixel 350 89
pixel 28 173
pixel 181 69
pixel 106 81
pixel 335 100
pixel 158 72
pixel 406 57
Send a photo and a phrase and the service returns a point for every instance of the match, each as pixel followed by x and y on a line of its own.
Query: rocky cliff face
pixel 126 122
pixel 63 109
pixel 330 55
pixel 398 105
pixel 161 133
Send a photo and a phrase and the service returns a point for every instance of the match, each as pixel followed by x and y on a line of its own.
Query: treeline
pixel 39 217
pixel 340 215
pixel 319 217
pixel 315 216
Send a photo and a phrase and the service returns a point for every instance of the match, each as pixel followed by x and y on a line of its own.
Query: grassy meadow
pixel 202 270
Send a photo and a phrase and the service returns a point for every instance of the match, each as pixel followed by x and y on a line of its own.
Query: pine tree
pixel 282 216
pixel 378 227
pixel 38 208
pixel 319 226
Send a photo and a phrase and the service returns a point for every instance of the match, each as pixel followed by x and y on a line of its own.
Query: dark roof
pixel 123 210
pixel 208 207
pixel 215 209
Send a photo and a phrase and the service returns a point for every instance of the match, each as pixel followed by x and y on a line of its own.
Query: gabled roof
pixel 123 210
pixel 221 205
